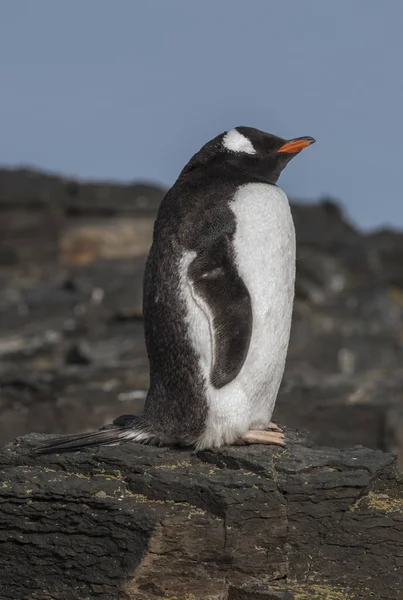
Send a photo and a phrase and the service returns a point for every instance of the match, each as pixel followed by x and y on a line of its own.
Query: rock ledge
pixel 144 523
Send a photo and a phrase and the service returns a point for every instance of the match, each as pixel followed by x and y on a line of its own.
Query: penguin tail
pixel 109 436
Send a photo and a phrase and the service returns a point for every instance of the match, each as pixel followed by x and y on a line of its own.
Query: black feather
pixel 70 443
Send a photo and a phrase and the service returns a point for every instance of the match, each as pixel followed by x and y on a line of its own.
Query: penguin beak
pixel 296 145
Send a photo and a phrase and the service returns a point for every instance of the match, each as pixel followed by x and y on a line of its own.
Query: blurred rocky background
pixel 72 355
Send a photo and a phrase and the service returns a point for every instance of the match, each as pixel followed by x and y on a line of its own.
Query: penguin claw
pixel 263 437
pixel 273 427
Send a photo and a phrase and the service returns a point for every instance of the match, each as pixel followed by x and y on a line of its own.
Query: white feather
pixel 264 244
pixel 237 142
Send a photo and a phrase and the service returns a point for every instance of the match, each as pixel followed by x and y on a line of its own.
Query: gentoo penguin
pixel 217 302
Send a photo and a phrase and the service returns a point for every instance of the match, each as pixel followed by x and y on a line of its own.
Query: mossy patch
pixel 186 597
pixel 379 502
pixel 179 465
pixel 196 512
pixel 322 591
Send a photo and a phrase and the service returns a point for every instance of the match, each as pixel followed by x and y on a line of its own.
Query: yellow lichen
pixel 196 512
pixel 179 465
pixel 380 502
pixel 323 591
pixel 114 476
pixel 145 499
pixel 185 597
pixel 79 475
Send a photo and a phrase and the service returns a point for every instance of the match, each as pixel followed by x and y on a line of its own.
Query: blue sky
pixel 130 89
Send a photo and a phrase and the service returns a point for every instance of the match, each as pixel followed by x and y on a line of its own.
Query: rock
pixel 75 398
pixel 387 246
pixel 145 523
pixel 340 410
pixel 323 225
pixel 45 217
pixel 83 243
pixel 72 256
pixel 78 354
pixel 258 592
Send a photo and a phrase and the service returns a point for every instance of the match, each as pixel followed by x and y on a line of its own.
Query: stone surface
pixel 143 523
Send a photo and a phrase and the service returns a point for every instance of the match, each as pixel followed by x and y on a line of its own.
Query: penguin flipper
pixel 215 279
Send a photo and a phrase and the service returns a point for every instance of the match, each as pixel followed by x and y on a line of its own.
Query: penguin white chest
pixel 265 254
pixel 264 244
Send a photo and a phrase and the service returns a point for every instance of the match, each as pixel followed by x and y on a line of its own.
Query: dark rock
pixel 34 189
pixel 44 217
pixel 258 592
pixel 340 409
pixel 323 225
pixel 75 398
pixel 138 522
pixel 387 247
pixel 69 285
pixel 78 354
pixel 129 314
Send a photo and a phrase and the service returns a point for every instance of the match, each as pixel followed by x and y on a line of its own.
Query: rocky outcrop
pixel 240 523
pixel 45 218
pixel 72 354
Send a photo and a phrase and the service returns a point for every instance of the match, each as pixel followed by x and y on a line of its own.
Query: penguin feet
pixel 253 436
pixel 273 427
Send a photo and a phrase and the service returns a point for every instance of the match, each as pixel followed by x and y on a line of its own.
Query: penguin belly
pixel 264 244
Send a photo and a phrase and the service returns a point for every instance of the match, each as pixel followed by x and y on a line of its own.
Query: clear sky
pixel 130 89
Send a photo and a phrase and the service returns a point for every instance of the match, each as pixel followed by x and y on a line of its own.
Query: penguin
pixel 218 296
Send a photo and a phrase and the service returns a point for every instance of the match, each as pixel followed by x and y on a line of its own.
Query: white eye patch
pixel 236 142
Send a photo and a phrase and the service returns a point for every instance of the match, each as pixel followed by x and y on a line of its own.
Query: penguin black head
pixel 252 150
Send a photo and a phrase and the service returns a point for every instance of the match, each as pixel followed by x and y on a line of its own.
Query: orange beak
pixel 296 145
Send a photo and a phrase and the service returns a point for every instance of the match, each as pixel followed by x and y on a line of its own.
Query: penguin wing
pixel 216 280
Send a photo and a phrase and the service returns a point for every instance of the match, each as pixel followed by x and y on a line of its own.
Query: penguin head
pixel 250 150
pixel 265 153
